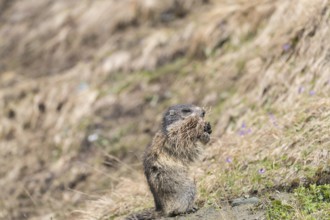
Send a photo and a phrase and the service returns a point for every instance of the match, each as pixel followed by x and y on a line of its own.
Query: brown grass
pixel 83 86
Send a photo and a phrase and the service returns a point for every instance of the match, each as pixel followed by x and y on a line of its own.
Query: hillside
pixel 83 85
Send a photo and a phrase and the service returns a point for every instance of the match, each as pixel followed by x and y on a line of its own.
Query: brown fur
pixel 167 159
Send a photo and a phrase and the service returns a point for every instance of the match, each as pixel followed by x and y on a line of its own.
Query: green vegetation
pixel 312 203
pixel 280 210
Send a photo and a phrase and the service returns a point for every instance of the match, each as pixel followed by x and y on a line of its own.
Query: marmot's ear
pixel 172 112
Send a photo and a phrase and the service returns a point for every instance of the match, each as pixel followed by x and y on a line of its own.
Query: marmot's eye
pixel 186 110
pixel 203 114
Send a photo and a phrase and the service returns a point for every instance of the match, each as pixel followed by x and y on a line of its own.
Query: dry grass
pixel 83 86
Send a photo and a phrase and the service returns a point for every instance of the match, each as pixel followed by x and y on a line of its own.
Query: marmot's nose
pixel 202 114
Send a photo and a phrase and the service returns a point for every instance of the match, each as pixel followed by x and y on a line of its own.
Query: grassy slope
pixel 260 67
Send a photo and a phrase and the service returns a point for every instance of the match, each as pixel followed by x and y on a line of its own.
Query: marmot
pixel 166 161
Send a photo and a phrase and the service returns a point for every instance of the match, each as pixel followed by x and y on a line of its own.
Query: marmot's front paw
pixel 204 138
pixel 207 128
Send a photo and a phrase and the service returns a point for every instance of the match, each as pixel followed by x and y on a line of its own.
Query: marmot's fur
pixel 166 161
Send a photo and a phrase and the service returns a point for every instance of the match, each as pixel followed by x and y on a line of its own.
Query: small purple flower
pixel 262 170
pixel 244 130
pixel 312 92
pixel 241 133
pixel 229 160
pixel 286 47
pixel 301 89
pixel 273 120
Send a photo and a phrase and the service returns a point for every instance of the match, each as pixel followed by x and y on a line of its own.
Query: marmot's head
pixel 180 112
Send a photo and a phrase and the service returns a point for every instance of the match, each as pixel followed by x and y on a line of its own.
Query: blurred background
pixel 83 85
